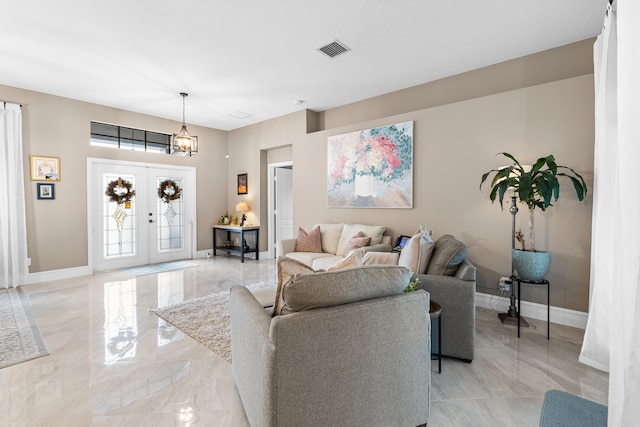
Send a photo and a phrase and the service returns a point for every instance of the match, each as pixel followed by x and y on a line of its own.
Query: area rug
pixel 20 337
pixel 206 319
pixel 159 268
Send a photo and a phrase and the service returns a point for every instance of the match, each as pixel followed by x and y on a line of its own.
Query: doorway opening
pixel 280 195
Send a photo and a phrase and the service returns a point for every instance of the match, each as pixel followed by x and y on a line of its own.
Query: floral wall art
pixel 371 168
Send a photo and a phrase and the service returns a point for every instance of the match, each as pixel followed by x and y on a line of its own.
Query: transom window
pixel 114 136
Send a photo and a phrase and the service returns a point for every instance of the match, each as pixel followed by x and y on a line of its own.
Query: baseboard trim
pixel 562 316
pixel 63 273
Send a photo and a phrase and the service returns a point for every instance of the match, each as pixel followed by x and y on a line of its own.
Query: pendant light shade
pixel 183 143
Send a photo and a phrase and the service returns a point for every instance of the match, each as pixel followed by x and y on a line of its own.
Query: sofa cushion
pixel 357 241
pixel 330 234
pixel 309 291
pixel 286 268
pixel 310 258
pixel 311 242
pixel 380 258
pixel 349 230
pixel 447 256
pixel 417 252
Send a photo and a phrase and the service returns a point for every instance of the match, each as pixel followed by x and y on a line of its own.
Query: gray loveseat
pixel 353 350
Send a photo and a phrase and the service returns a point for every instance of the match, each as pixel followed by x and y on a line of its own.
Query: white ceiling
pixel 259 57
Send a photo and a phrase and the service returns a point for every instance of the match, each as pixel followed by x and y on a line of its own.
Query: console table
pixel 543 282
pixel 229 247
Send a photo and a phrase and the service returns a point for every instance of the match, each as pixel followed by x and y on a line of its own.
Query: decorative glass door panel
pixel 119 225
pixel 170 223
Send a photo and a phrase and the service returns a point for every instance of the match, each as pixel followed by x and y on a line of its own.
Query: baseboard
pixel 562 316
pixel 63 273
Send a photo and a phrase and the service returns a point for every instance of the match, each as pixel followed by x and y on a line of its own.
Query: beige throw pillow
pixel 417 252
pixel 447 256
pixel 354 259
pixel 287 267
pixel 311 242
pixel 380 258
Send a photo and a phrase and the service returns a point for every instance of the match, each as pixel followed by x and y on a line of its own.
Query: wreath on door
pixel 169 191
pixel 120 191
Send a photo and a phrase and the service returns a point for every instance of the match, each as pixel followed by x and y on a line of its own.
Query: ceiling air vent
pixel 334 49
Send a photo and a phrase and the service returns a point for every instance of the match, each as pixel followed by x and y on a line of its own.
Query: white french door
pixel 156 225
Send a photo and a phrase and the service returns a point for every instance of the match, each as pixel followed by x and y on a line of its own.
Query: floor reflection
pixel 120 321
pixel 170 292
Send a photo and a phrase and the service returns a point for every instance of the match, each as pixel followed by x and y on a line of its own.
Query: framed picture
pixel 45 168
pixel 371 168
pixel 242 183
pixel 46 191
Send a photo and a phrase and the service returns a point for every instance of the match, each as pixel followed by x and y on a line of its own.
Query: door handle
pixel 150 221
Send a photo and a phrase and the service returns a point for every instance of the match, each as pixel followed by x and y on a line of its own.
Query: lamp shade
pixel 242 207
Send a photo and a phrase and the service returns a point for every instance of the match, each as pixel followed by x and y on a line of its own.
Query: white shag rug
pixel 206 319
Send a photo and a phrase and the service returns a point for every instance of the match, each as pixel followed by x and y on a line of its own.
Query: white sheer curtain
pixel 13 231
pixel 612 337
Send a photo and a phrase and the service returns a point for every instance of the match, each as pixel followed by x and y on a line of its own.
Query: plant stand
pixel 512 317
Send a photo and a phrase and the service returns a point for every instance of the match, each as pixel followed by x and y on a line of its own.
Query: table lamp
pixel 242 207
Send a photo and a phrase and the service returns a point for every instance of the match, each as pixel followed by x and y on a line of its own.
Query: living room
pixel 532 106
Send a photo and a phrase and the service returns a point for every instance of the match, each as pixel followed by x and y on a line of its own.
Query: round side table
pixel 435 312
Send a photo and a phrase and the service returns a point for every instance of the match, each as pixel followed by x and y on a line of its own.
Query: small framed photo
pixel 242 183
pixel 45 168
pixel 46 191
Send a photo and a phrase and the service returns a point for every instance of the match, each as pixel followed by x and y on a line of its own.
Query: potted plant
pixel 536 188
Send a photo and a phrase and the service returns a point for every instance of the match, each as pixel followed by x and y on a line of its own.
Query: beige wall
pixel 531 107
pixel 55 126
pixel 456 137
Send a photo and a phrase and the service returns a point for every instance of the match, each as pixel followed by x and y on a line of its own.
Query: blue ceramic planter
pixel 531 265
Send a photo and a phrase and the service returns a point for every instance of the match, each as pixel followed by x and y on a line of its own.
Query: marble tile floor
pixel 112 363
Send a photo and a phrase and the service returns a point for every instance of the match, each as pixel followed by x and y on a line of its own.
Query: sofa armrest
pixel 381 247
pixel 457 298
pixel 285 246
pixel 252 356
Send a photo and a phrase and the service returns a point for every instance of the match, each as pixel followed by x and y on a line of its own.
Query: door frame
pixel 189 205
pixel 271 226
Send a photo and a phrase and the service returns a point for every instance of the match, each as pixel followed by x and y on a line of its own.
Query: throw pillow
pixel 417 252
pixel 287 267
pixel 326 289
pixel 330 237
pixel 354 259
pixel 357 241
pixel 447 256
pixel 311 242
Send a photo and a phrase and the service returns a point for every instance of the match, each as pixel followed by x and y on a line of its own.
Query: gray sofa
pixel 354 350
pixel 457 296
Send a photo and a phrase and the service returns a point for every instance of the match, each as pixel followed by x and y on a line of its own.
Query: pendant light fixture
pixel 183 142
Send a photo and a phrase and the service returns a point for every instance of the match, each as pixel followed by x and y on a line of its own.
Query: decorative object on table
pixel 183 143
pixel 45 168
pixel 245 246
pixel 225 219
pixel 371 168
pixel 46 191
pixel 120 192
pixel 243 207
pixel 535 187
pixel 242 183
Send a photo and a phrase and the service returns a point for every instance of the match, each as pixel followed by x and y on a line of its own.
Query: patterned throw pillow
pixel 357 241
pixel 311 242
